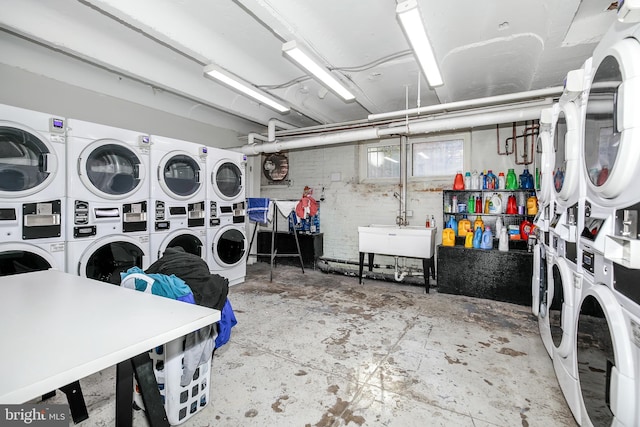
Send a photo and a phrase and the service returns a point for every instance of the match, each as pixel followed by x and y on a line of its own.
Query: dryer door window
pixel 25 161
pixel 557 304
pixel 114 170
pixel 190 244
pixel 229 180
pixel 560 166
pixel 111 259
pixel 230 247
pixel 17 261
pixel 602 137
pixel 181 175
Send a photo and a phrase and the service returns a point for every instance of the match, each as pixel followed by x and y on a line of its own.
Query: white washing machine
pixel 608 342
pixel 178 196
pixel 226 232
pixel 32 190
pixel 107 200
pixel 227 255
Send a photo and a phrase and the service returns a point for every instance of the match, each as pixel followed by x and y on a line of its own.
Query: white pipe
pixel 490 100
pixel 271 128
pixel 413 127
pixel 402 275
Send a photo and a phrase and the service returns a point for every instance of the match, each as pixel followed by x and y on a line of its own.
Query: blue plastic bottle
pixel 492 180
pixel 487 238
pixel 453 224
pixel 477 238
pixel 526 180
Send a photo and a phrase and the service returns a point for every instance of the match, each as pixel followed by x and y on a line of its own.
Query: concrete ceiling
pixel 483 48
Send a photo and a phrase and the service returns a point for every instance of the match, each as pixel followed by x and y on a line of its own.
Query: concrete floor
pixel 320 350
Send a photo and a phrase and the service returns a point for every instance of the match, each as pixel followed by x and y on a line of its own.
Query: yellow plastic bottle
pixel 448 237
pixel 478 223
pixel 532 205
pixel 468 240
pixel 464 227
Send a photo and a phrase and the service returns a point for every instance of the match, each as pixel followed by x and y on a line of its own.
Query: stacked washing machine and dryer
pixel 32 191
pixel 178 196
pixel 607 322
pixel 226 231
pixel 107 200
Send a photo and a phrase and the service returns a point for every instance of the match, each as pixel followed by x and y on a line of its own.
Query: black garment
pixel 209 290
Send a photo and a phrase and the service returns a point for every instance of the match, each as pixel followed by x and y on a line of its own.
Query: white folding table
pixel 58 328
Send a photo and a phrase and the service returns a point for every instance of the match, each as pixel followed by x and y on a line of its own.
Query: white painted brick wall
pixel 350 203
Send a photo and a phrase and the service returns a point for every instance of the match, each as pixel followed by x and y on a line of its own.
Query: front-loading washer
pixel 32 190
pixel 607 344
pixel 106 180
pixel 227 251
pixel 178 195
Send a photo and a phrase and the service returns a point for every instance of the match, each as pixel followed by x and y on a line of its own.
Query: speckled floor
pixel 320 350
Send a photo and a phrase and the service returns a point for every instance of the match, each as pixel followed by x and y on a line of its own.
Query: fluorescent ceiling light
pixel 241 86
pixel 321 73
pixel 409 16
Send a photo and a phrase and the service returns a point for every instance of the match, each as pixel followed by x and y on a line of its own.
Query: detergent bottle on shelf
pixel 512 207
pixel 464 227
pixel 478 204
pixel 512 180
pixel 448 237
pixel 478 223
pixel 458 181
pixel 532 205
pixel 495 207
pixel 487 205
pixel 526 180
pixel 471 204
pixel 503 241
pixel 477 238
pixel 501 181
pixel 467 180
pixel 491 180
pixel 487 239
pixel 475 181
pixel 499 226
pixel 468 240
pixel 452 224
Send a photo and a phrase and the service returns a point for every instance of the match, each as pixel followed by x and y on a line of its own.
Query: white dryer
pixel 32 190
pixel 226 182
pixel 107 200
pixel 228 247
pixel 178 196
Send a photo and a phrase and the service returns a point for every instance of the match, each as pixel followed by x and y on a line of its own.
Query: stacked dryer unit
pixel 227 236
pixel 178 192
pixel 107 200
pixel 564 269
pixel 32 191
pixel 608 313
pixel 541 297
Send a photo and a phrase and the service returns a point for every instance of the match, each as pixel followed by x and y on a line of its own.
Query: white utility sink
pixel 408 241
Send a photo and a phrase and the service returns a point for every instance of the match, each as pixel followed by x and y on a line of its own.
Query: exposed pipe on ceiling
pixel 414 126
pixel 471 103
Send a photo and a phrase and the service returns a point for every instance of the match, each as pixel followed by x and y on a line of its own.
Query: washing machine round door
pixel 28 163
pixel 106 259
pixel 229 246
pixel 545 145
pixel 227 180
pixel 111 169
pixel 605 360
pixel 16 258
pixel 566 167
pixel 561 308
pixel 190 242
pixel 612 129
pixel 179 175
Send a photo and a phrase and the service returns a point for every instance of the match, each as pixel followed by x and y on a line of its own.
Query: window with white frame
pixel 437 157
pixel 383 161
pixel 427 157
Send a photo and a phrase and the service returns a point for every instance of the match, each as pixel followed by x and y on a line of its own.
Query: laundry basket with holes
pixel 172 361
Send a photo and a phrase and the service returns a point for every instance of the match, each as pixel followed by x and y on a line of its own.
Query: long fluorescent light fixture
pixel 409 16
pixel 305 60
pixel 241 86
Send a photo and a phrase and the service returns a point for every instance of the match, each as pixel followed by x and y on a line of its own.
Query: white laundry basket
pixel 180 403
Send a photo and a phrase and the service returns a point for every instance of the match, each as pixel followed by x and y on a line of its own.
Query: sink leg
pixel 426 264
pixel 360 267
pixel 371 261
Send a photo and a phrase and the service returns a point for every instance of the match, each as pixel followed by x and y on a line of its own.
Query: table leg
pixel 124 394
pixel 75 398
pixel 426 262
pixel 143 369
pixel 360 267
pixel 371 255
